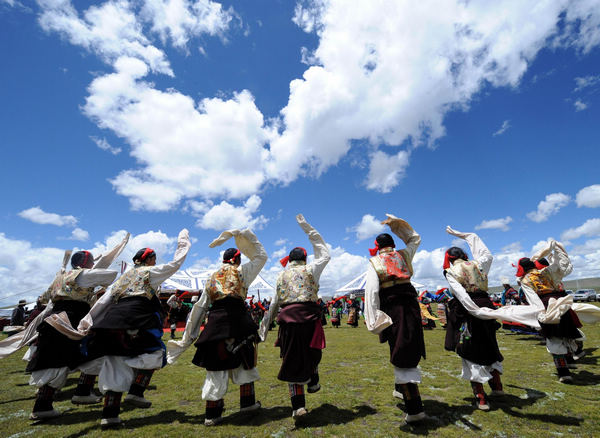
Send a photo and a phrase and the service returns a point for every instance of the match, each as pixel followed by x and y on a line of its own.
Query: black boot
pixel 135 395
pixel 42 409
pixel 112 407
pixel 214 412
pixel 83 392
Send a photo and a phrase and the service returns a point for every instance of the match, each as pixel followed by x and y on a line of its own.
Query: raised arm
pixel 248 244
pixel 320 249
pixel 376 320
pixel 106 259
pixel 404 231
pixel 160 273
pixel 481 253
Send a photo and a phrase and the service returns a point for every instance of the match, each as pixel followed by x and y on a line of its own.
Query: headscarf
pixel 232 256
pixel 142 255
pixel 81 258
pixel 524 265
pixel 297 253
pixel 453 254
pixel 384 240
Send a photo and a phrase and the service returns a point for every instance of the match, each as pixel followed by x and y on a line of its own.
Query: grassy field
pixel 355 401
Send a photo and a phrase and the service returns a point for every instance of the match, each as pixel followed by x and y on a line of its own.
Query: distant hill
pixel 582 283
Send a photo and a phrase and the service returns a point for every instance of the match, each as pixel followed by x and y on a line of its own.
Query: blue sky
pixel 154 115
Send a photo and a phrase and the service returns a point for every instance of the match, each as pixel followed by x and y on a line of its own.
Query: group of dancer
pixel 117 337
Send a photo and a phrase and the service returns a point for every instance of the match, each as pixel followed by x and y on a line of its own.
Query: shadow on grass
pixel 588 359
pixel 18 399
pixel 585 378
pixel 440 414
pixel 328 414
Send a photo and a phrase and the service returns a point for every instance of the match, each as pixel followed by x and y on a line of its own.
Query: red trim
pixel 232 259
pixel 284 261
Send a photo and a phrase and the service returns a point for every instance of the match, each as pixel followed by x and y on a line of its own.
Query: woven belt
pixel 391 283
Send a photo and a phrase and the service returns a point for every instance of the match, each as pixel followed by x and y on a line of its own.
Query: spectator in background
pixel 510 295
pixel 18 314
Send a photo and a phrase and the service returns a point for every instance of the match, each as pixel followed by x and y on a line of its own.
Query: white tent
pixel 194 280
pixel 357 285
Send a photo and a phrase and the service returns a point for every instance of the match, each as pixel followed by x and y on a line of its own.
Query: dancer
pixel 127 328
pixel 392 311
pixel 55 355
pixel 353 311
pixel 559 323
pixel 336 313
pixel 227 345
pixel 473 339
pixel 301 337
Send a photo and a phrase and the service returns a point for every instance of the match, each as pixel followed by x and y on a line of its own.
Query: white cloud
pixel 110 30
pixel 181 20
pixel 495 224
pixel 549 206
pixel 105 145
pixel 367 227
pixel 25 268
pixel 279 254
pixel 428 267
pixel 281 242
pixel 588 196
pixel 214 149
pixel 505 126
pixel 591 227
pixel 586 82
pixel 580 105
pixel 79 234
pixel 386 171
pixel 406 67
pixel 225 216
pixel 39 216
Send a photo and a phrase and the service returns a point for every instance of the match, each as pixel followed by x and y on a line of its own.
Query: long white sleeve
pixel 96 277
pixel 521 314
pixel 159 273
pixel 404 231
pixel 481 253
pixel 268 317
pixel 256 253
pixel 376 320
pixel 107 258
pixel 320 248
pixel 560 264
pixel 192 329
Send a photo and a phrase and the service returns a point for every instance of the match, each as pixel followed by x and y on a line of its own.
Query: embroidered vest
pixel 227 281
pixel 392 267
pixel 297 284
pixel 540 281
pixel 134 283
pixel 65 287
pixel 469 275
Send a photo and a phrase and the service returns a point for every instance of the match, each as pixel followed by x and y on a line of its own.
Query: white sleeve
pixel 106 259
pixel 376 320
pixel 321 251
pixel 99 307
pixel 96 277
pixel 559 263
pixel 159 273
pixel 257 254
pixel 404 231
pixel 527 315
pixel 268 317
pixel 192 329
pixel 481 253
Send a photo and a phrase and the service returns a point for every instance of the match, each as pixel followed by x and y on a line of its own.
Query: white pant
pixel 216 382
pixel 407 375
pixel 53 377
pixel 560 345
pixel 116 373
pixel 479 373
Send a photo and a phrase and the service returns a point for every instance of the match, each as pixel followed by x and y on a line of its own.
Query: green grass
pixel 355 399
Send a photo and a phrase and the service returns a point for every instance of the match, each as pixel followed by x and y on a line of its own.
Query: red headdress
pixel 373 251
pixel 232 259
pixel 284 261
